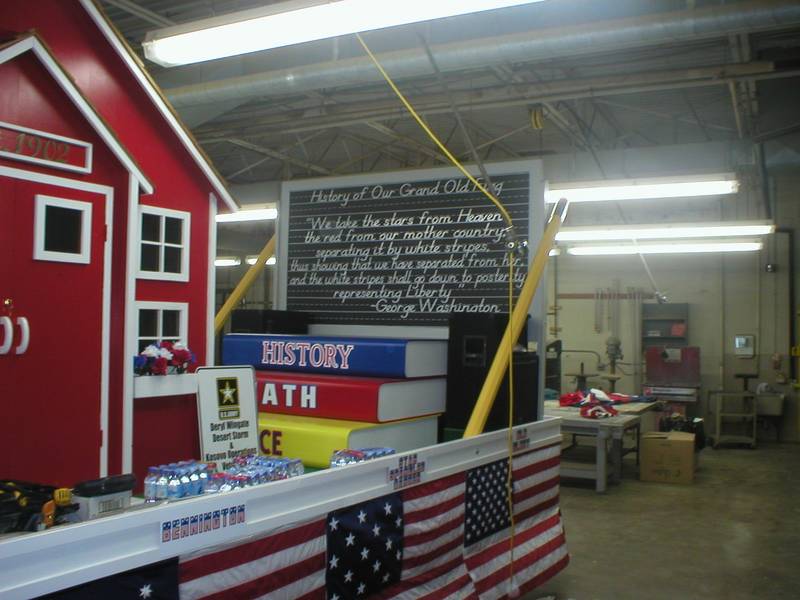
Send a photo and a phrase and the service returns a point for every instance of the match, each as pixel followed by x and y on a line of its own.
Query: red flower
pixel 180 356
pixel 166 346
pixel 159 366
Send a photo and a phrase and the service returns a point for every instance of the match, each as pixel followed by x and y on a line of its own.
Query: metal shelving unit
pixel 665 325
pixel 734 408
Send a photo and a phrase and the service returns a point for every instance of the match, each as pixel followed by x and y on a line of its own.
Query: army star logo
pixel 228 398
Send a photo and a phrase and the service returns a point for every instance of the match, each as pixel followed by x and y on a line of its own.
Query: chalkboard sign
pixel 402 252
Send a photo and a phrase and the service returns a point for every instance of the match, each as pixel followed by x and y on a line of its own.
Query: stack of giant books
pixel 319 394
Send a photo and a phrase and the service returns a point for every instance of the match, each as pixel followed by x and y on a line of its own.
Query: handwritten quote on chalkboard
pixel 403 253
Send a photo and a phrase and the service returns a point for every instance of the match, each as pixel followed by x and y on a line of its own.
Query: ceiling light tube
pixel 259 214
pixel 675 248
pixel 644 189
pixel 227 261
pixel 295 22
pixel 251 260
pixel 667 231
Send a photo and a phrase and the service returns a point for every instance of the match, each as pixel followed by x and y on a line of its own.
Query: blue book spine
pixel 372 357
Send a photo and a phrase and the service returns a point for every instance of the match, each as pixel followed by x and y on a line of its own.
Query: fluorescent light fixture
pixel 295 22
pixel 676 248
pixel 667 231
pixel 554 252
pixel 644 189
pixel 251 260
pixel 258 214
pixel 227 261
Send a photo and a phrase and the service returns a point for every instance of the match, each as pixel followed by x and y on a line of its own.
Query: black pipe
pixel 792 295
pixel 763 176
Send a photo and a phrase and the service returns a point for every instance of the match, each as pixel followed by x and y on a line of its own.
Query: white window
pixel 62 230
pixel 162 322
pixel 163 244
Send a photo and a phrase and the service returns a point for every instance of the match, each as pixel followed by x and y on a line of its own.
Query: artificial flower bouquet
pixel 163 358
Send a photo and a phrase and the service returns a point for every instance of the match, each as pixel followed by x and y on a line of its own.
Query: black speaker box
pixel 269 321
pixel 472 344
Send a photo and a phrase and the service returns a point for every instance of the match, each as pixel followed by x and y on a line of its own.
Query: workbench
pixel 602 430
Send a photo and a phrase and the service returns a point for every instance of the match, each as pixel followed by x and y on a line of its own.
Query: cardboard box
pixel 667 456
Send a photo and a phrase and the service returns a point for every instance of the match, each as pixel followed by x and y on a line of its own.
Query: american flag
pixel 446 538
pixel 157 581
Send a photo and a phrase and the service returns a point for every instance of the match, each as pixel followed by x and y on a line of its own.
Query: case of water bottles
pixel 349 456
pixel 190 478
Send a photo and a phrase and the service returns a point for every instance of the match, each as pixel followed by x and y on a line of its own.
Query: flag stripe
pixel 537 467
pixel 434 559
pixel 500 552
pixel 275 580
pixel 431 534
pixel 547 574
pixel 460 588
pixel 519 539
pixel 315 594
pixel 423 578
pixel 244 553
pixel 414 527
pixel 426 513
pixel 538 508
pixel 440 587
pixel 537 454
pixel 227 578
pixel 552 540
pixel 534 490
pixel 312 586
pixel 433 499
pixel 549 492
pixel 521 525
pixel 432 487
pixel 415 561
pixel 523 482
pixel 412 552
pixel 532 577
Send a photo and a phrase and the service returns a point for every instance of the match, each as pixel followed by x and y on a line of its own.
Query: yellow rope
pixel 507 218
pixel 510 478
pixel 432 135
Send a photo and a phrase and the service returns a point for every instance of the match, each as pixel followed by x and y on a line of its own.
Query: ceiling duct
pixel 539 45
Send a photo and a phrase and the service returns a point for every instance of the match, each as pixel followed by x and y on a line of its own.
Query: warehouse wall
pixel 727 294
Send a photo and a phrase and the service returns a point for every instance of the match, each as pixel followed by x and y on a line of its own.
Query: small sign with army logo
pixel 228 397
pixel 227 413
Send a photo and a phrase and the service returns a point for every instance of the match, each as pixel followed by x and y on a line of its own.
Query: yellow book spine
pixel 310 439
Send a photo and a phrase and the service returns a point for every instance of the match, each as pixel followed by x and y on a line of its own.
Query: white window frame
pixel 183 320
pixel 185 218
pixel 40 215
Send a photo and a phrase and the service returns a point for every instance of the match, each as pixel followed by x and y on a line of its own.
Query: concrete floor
pixel 734 533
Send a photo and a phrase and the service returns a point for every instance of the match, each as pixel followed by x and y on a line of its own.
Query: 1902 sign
pixel 34 146
pixel 405 252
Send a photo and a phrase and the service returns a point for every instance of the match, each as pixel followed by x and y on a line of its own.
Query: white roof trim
pixel 31 43
pixel 159 102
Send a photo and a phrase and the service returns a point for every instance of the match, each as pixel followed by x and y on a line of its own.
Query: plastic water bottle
pixel 150 484
pixel 186 483
pixel 194 481
pixel 173 486
pixel 161 484
pixel 212 484
pixel 203 476
pixel 226 484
